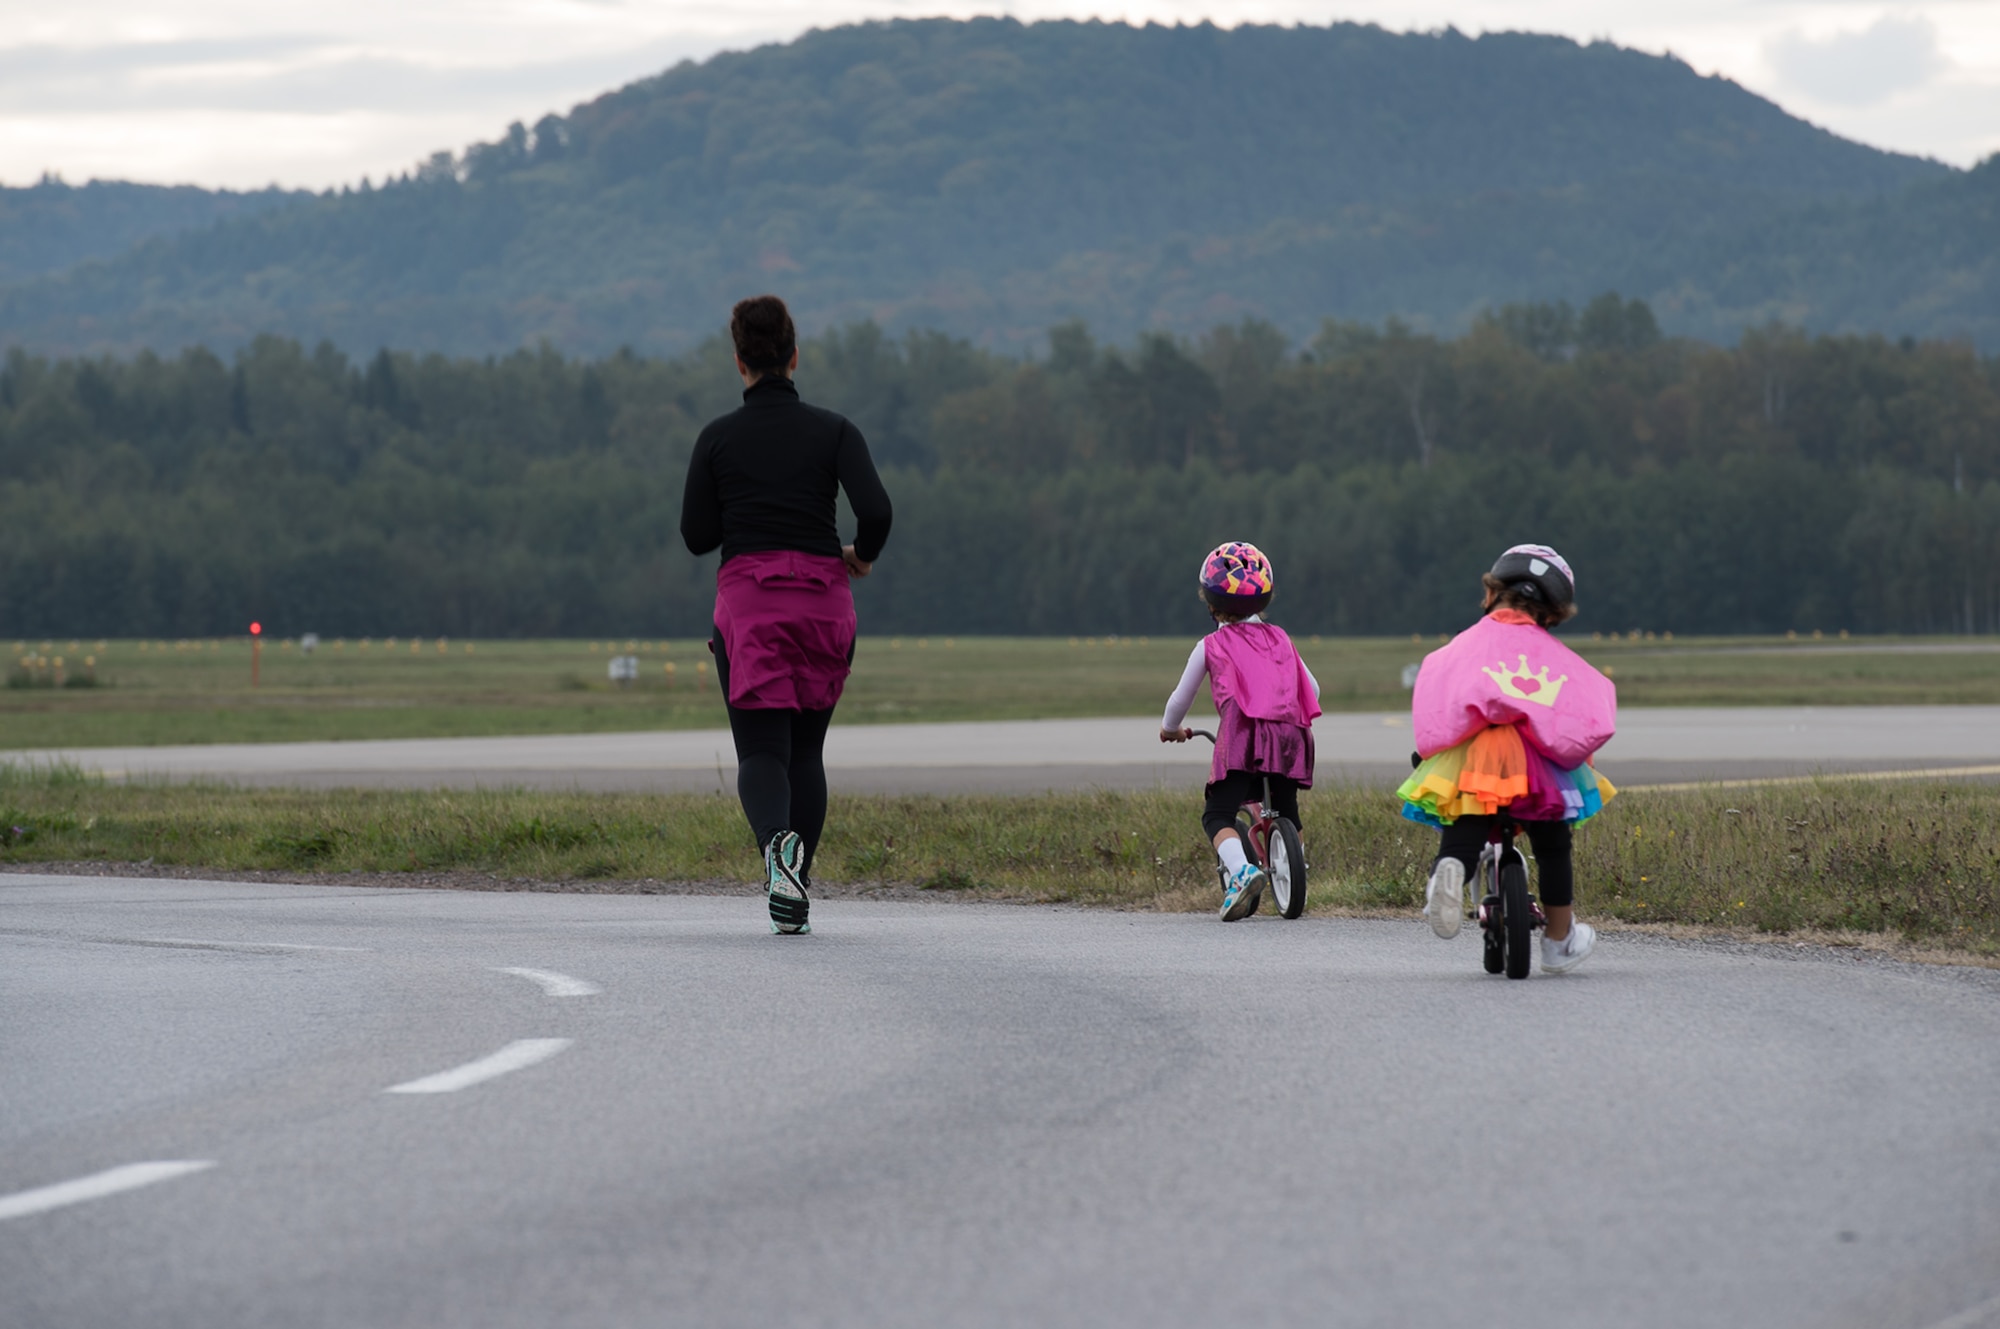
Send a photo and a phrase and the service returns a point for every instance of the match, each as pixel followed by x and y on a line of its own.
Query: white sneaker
pixel 1559 957
pixel 1444 898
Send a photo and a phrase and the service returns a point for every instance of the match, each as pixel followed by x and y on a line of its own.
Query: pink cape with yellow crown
pixel 1505 670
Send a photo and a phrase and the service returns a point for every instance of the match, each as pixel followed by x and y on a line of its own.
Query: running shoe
pixel 1245 888
pixel 1444 898
pixel 1559 957
pixel 785 864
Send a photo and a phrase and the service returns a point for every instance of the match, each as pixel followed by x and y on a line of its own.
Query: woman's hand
pixel 856 565
pixel 1176 735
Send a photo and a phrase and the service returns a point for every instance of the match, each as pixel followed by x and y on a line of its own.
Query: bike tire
pixel 1287 870
pixel 1254 849
pixel 1517 916
pixel 1494 940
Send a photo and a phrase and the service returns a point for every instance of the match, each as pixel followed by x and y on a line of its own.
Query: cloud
pixel 309 76
pixel 1954 118
pixel 1862 68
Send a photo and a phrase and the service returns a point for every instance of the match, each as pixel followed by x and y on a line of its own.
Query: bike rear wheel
pixel 1287 869
pixel 1517 915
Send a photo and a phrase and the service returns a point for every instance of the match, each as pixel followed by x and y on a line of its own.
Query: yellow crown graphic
pixel 1511 681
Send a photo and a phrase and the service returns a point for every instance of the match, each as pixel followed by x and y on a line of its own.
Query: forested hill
pixel 992 178
pixel 50 225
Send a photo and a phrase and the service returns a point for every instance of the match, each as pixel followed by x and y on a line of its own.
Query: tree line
pixel 1788 482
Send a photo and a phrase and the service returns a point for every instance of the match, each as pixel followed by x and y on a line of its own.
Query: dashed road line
pixel 95 1187
pixel 518 1055
pixel 556 985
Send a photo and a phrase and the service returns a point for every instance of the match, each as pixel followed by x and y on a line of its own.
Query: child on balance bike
pixel 1267 700
pixel 1506 719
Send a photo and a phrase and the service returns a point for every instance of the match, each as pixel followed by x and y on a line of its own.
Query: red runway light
pixel 256 629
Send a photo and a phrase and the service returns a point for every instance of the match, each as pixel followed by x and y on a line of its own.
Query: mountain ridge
pixel 993 178
pixel 51 225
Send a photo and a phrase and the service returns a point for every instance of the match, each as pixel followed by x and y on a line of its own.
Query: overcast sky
pixel 244 93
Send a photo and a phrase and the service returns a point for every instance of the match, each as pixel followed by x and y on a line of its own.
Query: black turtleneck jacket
pixel 765 477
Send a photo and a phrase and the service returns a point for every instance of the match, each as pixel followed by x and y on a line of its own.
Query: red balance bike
pixel 1272 843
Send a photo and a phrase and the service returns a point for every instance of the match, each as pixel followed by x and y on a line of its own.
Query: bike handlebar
pixel 1202 733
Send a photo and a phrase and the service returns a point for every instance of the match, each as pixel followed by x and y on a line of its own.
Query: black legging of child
pixel 1464 838
pixel 780 767
pixel 1236 788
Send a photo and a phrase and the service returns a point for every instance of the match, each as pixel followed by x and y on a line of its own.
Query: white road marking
pixel 557 985
pixel 515 1056
pixel 94 1187
pixel 1973 1316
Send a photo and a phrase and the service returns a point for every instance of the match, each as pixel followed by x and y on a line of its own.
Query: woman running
pixel 762 485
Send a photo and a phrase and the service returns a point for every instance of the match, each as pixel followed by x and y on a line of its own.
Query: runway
pixel 252 1104
pixel 1653 746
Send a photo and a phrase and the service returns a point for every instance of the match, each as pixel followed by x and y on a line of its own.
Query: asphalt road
pixel 1653 746
pixel 248 1104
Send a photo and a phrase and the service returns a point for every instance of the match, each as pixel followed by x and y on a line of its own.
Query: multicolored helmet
pixel 1236 578
pixel 1539 573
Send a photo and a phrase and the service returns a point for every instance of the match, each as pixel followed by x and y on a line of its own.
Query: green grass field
pixel 199 691
pixel 1919 861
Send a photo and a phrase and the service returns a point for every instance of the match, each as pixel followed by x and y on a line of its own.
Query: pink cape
pixel 787 622
pixel 1256 666
pixel 1264 701
pixel 1497 672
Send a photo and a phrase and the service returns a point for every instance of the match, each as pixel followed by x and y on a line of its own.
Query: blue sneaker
pixel 785 864
pixel 1242 891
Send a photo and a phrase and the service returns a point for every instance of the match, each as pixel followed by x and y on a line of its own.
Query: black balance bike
pixel 1508 914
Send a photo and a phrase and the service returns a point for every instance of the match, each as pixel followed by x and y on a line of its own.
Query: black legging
pixel 1236 788
pixel 1464 838
pixel 780 772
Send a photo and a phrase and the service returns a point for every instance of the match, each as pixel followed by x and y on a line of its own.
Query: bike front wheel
pixel 1287 869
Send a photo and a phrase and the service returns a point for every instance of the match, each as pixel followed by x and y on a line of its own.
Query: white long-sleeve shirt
pixel 1197 669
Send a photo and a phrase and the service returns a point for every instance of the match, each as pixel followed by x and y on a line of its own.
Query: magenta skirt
pixel 1267 747
pixel 787 621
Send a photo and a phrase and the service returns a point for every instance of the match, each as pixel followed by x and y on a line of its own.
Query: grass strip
pixel 1915 859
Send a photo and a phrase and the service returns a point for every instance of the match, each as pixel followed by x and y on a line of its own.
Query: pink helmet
pixel 1236 578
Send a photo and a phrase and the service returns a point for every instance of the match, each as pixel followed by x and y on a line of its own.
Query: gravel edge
pixel 1879 947
pixel 457 880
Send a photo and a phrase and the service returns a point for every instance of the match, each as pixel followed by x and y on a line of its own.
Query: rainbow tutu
pixel 1494 769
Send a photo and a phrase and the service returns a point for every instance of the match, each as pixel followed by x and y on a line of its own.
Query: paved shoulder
pixel 1025 756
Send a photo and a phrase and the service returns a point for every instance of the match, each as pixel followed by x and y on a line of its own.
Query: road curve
pixel 649 1111
pixel 1653 746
